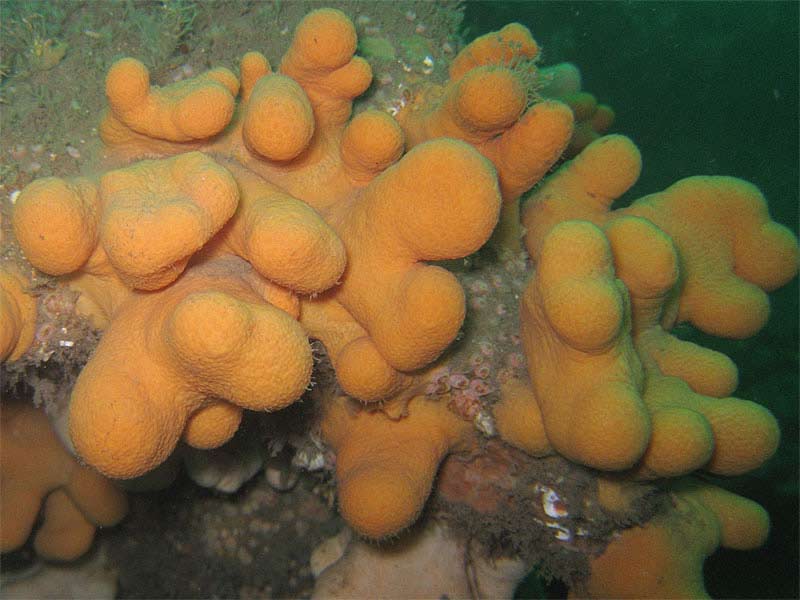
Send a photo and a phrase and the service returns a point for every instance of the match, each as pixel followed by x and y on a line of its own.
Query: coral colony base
pixel 253 243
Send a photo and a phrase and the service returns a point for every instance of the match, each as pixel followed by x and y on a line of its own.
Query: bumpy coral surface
pixel 38 472
pixel 245 215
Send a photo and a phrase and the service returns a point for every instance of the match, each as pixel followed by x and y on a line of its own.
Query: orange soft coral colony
pixel 209 338
pixel 485 104
pixel 579 328
pixel 664 558
pixel 729 250
pixel 35 469
pixel 284 239
pixel 142 222
pixel 585 373
pixel 439 201
pixel 321 60
pixel 193 109
pixel 17 315
pixel 693 424
pixel 385 467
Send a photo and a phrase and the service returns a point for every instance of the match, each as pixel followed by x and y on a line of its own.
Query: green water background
pixel 705 88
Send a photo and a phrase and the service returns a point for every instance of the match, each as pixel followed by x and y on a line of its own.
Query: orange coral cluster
pixel 281 218
pixel 664 558
pixel 37 471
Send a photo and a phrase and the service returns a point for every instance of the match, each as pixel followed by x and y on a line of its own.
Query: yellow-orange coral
pixel 664 558
pixel 17 315
pixel 584 369
pixel 168 226
pixel 208 338
pixel 385 466
pixel 284 218
pixel 35 469
pixel 485 104
pixel 143 222
pixel 190 110
pixel 675 416
pixel 729 250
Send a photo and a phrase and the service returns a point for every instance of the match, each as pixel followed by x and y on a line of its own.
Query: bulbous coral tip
pixel 371 142
pixel 17 315
pixel 253 67
pixel 228 323
pixel 456 196
pixel 645 257
pixel 681 442
pixel 192 109
pixel 65 533
pixel 504 48
pixel 609 166
pixel 490 99
pixel 746 435
pixel 189 198
pixel 194 118
pixel 116 428
pixel 326 38
pixel 364 374
pixel 213 425
pixel 56 223
pixel 579 294
pixel 278 121
pixel 378 502
pixel 127 84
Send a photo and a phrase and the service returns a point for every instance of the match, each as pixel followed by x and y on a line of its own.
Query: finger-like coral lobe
pixel 36 470
pixel 210 337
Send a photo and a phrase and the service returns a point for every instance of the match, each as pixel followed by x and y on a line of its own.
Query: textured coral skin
pixel 208 337
pixel 730 252
pixel 35 469
pixel 289 219
pixel 664 558
pixel 334 226
pixel 17 315
pixel 484 103
pixel 607 299
pixel 385 467
pixel 143 222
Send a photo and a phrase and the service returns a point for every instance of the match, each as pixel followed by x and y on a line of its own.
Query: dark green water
pixel 708 88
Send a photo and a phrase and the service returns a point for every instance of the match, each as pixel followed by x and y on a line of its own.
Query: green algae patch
pixel 376 48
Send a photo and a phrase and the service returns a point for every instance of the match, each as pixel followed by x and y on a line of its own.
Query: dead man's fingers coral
pixel 193 109
pixel 664 558
pixel 510 46
pixel 487 108
pixel 689 430
pixel 586 375
pixel 583 188
pixel 208 338
pixel 278 120
pixel 17 315
pixel 384 466
pixel 371 142
pixel 439 202
pixel 486 103
pixel 144 221
pixel 37 471
pixel 321 59
pixel 284 239
pixel 731 251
